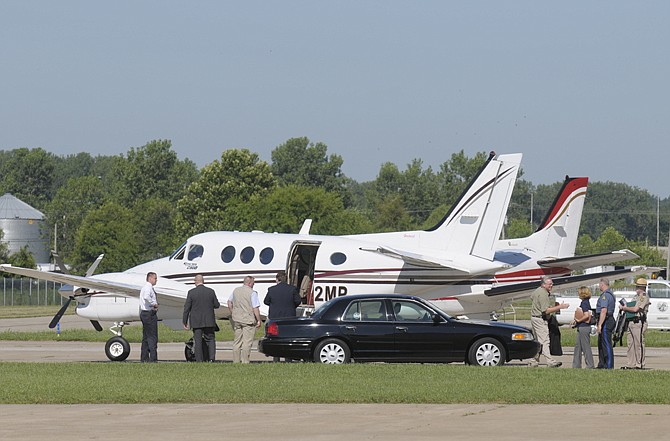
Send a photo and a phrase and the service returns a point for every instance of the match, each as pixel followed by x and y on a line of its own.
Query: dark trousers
pixel 207 334
pixel 149 336
pixel 605 348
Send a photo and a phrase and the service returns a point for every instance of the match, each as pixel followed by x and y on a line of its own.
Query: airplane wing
pixel 578 263
pixel 417 259
pixel 168 293
pixel 566 282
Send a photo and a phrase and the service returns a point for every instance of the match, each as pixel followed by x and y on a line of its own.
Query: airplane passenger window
pixel 228 254
pixel 195 252
pixel 338 258
pixel 247 255
pixel 266 255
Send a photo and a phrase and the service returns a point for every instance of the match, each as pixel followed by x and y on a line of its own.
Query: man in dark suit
pixel 282 299
pixel 200 304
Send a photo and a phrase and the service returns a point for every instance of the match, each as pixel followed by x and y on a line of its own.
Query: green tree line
pixel 142 204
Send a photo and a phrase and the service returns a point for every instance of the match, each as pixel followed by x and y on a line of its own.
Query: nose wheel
pixel 117 348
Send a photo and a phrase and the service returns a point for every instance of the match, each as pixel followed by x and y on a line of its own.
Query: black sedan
pixel 393 328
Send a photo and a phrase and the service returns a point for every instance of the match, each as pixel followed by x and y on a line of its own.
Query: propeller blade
pixel 59 314
pixel 94 266
pixel 96 325
pixel 59 262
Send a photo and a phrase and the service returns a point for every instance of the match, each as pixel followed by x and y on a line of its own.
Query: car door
pixel 368 329
pixel 658 315
pixel 417 336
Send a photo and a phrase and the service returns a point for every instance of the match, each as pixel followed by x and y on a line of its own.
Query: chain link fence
pixel 25 291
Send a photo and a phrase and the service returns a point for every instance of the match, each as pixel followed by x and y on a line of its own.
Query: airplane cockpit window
pixel 228 254
pixel 247 255
pixel 195 252
pixel 179 252
pixel 266 255
pixel 338 258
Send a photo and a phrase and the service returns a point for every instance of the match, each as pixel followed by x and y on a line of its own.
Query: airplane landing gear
pixel 117 348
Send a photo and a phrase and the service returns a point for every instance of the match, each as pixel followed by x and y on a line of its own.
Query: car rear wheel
pixel 332 351
pixel 486 352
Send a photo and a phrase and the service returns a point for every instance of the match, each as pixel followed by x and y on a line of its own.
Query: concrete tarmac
pixel 389 422
pixel 301 421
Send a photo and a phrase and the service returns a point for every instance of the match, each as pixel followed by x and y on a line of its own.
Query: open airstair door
pixel 300 268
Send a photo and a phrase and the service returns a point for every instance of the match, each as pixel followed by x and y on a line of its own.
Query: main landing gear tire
pixel 332 351
pixel 117 349
pixel 487 352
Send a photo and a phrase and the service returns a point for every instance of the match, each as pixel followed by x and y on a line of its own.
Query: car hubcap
pixel 116 349
pixel 488 355
pixel 332 354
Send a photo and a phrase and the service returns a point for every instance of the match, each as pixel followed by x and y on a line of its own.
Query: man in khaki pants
pixel 637 326
pixel 246 318
pixel 541 308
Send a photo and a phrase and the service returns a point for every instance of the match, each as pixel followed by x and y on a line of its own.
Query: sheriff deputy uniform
pixel 637 325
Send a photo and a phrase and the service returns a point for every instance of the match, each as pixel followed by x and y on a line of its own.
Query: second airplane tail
pixel 557 234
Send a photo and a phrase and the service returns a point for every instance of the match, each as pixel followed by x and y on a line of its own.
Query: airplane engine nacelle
pixel 109 308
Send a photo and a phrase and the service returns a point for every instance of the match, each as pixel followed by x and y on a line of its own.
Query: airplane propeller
pixel 59 314
pixel 63 269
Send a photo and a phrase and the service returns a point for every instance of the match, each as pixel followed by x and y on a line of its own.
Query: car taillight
pixel 273 329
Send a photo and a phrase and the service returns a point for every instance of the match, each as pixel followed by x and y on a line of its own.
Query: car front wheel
pixel 486 352
pixel 332 351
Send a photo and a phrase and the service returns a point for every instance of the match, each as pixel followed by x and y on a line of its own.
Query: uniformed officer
pixel 637 326
pixel 605 325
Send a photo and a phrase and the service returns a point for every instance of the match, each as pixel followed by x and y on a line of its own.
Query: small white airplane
pixel 460 264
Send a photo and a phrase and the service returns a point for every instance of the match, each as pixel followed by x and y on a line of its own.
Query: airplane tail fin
pixel 474 223
pixel 557 234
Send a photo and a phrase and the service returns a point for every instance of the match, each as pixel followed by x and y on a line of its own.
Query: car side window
pixel 407 311
pixel 353 312
pixel 366 310
pixel 659 292
pixel 373 310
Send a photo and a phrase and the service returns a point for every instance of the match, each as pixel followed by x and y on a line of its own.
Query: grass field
pixel 69 383
pixel 132 333
pixel 66 383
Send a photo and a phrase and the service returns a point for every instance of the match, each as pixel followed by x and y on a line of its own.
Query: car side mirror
pixel 437 318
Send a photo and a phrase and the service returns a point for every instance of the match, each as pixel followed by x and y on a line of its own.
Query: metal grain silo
pixel 22 225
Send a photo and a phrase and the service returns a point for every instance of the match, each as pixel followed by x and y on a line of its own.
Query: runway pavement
pixel 321 422
pixel 301 421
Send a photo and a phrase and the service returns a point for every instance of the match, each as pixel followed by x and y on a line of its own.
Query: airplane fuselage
pixel 336 265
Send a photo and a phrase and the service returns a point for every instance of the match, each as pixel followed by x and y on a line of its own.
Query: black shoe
pixel 626 367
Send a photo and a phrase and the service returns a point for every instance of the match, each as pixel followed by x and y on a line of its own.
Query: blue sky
pixel 580 88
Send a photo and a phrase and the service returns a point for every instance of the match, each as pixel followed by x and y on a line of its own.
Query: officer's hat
pixel 641 282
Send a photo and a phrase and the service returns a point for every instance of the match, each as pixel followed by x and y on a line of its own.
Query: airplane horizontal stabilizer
pixel 568 281
pixel 417 259
pixel 578 263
